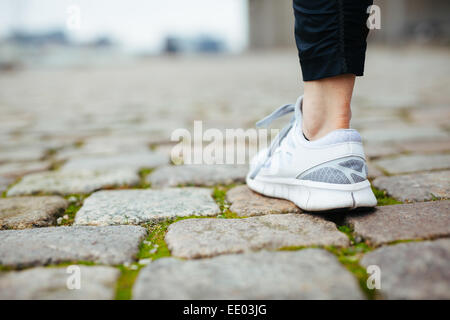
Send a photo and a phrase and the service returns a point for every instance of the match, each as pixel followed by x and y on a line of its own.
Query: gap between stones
pixel 154 246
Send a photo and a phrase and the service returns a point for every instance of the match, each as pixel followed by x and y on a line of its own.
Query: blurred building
pixel 199 44
pixel 417 20
pixel 271 22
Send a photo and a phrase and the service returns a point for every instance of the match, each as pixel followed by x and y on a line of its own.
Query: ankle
pixel 314 129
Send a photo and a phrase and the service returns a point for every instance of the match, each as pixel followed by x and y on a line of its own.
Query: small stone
pixel 197 175
pixel 145 261
pixel 64 182
pixel 142 206
pixel 27 212
pixel 415 163
pixel 199 238
pixel 59 220
pixel 304 274
pixel 416 187
pixel 72 199
pixel 245 202
pixel 414 270
pixel 132 161
pixel 42 246
pixel 152 251
pixel 134 267
pixel 65 217
pixel 96 282
pixel 402 222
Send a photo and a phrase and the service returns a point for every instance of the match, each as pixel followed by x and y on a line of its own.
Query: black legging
pixel 331 36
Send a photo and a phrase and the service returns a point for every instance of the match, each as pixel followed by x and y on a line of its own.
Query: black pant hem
pixel 333 64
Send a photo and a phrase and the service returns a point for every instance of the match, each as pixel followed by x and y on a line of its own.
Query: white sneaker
pixel 329 173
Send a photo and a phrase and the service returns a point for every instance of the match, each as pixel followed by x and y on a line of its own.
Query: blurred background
pixel 127 73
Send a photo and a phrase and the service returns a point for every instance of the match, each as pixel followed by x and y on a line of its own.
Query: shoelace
pixel 278 113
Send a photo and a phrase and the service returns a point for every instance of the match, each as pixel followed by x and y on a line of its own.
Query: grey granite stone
pixel 415 163
pixel 377 150
pixel 197 238
pixel 417 186
pixel 52 245
pixel 245 202
pixel 69 182
pixel 116 144
pixel 426 146
pixel 414 270
pixel 373 171
pixel 27 212
pixel 22 153
pixel 17 169
pixel 403 133
pixel 403 221
pixel 434 116
pixel 304 274
pixel 197 175
pixel 96 282
pixel 141 206
pixel 133 161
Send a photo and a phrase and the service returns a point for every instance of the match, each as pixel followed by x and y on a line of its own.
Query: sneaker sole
pixel 316 196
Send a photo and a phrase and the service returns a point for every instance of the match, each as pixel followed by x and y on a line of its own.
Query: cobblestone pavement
pixel 69 136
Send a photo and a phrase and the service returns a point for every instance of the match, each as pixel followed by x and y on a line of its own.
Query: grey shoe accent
pixel 346 170
pixel 357 178
pixel 353 164
pixel 327 174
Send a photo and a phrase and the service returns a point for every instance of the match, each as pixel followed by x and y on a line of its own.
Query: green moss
pixel 436 198
pixel 50 152
pixel 296 248
pixel 56 165
pixel 143 173
pixel 71 263
pixel 75 203
pixel 352 264
pixel 78 144
pixel 5 268
pixel 405 241
pixel 153 247
pixel 350 257
pixel 125 283
pixel 383 199
pixel 346 229
pixel 4 193
pixel 219 195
